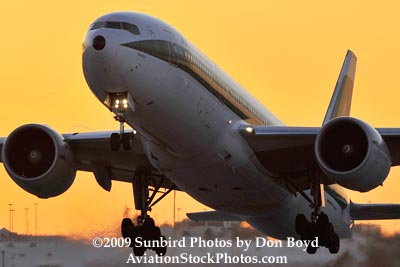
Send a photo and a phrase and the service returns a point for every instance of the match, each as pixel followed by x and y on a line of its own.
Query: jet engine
pixel 353 154
pixel 39 161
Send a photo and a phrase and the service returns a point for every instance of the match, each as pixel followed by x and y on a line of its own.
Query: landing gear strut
pixel 145 231
pixel 319 226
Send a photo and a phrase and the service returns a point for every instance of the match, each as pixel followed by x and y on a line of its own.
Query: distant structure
pixel 6 235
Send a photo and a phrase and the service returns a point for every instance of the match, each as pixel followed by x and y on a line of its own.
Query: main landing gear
pixel 319 226
pixel 145 232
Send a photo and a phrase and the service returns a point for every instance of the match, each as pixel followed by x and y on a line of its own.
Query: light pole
pixel 9 216
pixel 12 220
pixel 26 220
pixel 2 258
pixel 36 222
pixel 174 207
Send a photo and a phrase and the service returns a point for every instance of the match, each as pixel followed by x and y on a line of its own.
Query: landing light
pixel 118 102
pixel 249 129
pixel 121 103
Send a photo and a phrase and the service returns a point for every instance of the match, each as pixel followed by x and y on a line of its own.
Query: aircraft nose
pixel 99 42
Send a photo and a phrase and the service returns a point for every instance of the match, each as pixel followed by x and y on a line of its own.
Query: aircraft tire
pixel 334 246
pixel 311 249
pixel 301 224
pixel 161 251
pixel 127 141
pixel 115 141
pixel 127 228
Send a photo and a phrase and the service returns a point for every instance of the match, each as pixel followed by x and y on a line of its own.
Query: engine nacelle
pixel 39 161
pixel 353 154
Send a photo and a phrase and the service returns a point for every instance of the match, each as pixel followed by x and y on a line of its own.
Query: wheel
pixel 127 141
pixel 301 224
pixel 149 229
pixel 327 235
pixel 311 249
pixel 156 233
pixel 139 251
pixel 161 251
pixel 127 228
pixel 323 219
pixel 334 246
pixel 115 141
pixel 148 224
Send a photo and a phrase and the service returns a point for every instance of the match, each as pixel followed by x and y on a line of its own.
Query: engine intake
pixel 39 161
pixel 353 154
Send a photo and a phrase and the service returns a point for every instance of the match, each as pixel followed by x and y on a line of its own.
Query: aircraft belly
pixel 221 189
pixel 225 178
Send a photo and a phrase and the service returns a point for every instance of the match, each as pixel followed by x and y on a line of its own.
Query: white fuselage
pixel 187 112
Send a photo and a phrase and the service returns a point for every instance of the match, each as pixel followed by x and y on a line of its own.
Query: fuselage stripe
pixel 181 58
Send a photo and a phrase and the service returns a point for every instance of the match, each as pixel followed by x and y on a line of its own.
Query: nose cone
pixel 99 42
pixel 102 62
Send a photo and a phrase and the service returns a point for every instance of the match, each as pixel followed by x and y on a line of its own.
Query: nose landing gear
pixel 119 104
pixel 121 138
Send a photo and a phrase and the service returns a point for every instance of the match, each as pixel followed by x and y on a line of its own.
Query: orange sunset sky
pixel 286 53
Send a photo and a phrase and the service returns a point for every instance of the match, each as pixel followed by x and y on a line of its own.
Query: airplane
pixel 198 131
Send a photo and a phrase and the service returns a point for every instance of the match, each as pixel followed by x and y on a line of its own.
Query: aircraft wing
pixel 289 151
pixel 392 140
pixel 286 152
pixel 93 154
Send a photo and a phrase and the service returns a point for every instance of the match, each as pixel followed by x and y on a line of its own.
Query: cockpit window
pixel 113 25
pixel 130 27
pixel 97 25
pixel 116 25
